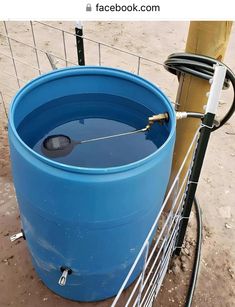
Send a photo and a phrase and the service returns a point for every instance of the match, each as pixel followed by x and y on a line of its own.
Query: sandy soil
pixel 19 284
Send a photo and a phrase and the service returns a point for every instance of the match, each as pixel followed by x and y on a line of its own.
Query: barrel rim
pixel 86 70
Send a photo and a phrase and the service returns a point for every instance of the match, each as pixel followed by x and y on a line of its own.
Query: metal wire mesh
pixel 158 256
pixel 27 58
pixel 35 59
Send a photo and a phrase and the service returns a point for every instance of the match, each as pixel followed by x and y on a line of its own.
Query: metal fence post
pixel 79 43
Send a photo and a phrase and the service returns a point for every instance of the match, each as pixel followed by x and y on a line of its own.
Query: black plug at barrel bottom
pixel 201 67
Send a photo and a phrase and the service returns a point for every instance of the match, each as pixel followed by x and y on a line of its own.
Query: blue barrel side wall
pixel 94 223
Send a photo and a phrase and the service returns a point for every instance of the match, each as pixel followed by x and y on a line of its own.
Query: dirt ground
pixel 19 284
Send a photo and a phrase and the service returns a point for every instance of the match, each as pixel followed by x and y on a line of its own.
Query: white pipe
pixel 216 88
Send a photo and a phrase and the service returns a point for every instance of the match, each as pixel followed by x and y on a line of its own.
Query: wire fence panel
pixel 52 46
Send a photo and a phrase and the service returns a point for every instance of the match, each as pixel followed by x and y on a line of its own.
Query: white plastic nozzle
pixel 216 88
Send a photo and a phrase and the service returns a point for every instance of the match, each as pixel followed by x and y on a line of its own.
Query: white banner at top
pixel 116 10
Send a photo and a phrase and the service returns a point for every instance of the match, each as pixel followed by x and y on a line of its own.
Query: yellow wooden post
pixel 208 38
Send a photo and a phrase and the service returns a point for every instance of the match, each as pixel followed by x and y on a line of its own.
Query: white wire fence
pixel 25 57
pixel 158 256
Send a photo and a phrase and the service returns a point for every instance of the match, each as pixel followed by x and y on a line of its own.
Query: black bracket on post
pixel 199 155
pixel 207 125
pixel 80 44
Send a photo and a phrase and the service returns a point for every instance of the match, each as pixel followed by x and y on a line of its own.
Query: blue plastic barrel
pixel 91 220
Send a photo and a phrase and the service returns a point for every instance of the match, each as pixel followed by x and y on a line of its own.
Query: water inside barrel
pixel 88 116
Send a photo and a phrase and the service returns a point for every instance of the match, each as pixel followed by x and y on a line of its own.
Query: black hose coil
pixel 201 67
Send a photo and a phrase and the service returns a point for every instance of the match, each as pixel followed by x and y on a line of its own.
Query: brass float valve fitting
pixel 159 118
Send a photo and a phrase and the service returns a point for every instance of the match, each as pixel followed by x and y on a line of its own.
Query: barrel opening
pixel 112 105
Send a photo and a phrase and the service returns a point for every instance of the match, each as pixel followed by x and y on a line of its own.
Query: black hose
pixel 201 67
pixel 197 258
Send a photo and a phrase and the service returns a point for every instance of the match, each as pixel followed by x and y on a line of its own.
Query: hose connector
pixel 181 115
pixel 164 117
